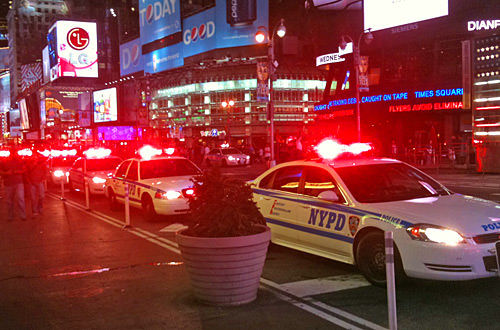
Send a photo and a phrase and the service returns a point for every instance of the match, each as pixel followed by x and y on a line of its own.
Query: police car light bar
pixel 169 151
pixel 97 153
pixel 4 153
pixel 330 149
pixel 148 152
pixel 25 152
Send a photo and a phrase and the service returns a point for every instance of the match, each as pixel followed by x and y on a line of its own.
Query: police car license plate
pixel 497 248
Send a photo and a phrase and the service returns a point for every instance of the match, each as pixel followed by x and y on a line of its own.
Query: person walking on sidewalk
pixel 36 175
pixel 12 170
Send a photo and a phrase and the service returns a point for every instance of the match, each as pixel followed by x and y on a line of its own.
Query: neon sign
pixel 401 96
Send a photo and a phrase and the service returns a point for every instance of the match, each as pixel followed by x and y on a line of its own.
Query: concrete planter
pixel 225 271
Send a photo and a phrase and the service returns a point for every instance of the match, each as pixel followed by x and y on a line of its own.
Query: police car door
pixel 134 188
pixel 277 199
pixel 325 221
pixel 117 181
pixel 77 174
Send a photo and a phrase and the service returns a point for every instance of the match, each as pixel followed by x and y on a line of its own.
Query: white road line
pixel 292 293
pixel 324 285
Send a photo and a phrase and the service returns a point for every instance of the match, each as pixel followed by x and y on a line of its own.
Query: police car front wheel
pixel 370 258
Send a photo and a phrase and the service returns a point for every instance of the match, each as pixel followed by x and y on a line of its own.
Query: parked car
pixel 227 157
pixel 158 185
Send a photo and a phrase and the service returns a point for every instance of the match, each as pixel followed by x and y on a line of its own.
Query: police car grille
pixel 487 238
pixel 449 268
pixel 490 263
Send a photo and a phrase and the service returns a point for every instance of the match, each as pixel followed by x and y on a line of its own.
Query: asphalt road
pixel 74 268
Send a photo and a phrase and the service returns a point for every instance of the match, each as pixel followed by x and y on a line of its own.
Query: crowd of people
pixel 23 176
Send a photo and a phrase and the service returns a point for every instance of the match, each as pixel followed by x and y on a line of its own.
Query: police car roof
pixel 346 161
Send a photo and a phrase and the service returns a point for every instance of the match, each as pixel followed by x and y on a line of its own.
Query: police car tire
pixel 370 258
pixel 148 207
pixel 113 203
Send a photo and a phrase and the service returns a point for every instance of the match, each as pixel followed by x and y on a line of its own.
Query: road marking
pixel 285 292
pixel 324 285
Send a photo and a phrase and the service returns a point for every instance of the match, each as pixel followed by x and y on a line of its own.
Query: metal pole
pixel 391 283
pixel 87 194
pixel 357 61
pixel 271 104
pixel 127 207
pixel 62 187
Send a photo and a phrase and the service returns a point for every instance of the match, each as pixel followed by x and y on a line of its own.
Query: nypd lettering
pixel 327 219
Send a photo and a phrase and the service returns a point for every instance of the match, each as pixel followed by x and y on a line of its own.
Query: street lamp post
pixel 357 61
pixel 280 31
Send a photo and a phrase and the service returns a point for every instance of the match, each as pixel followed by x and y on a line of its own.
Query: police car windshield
pixel 388 182
pixel 102 164
pixel 159 168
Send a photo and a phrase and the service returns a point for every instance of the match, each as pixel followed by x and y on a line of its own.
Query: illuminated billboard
pixel 228 24
pixel 105 105
pixel 73 49
pixel 23 112
pixel 131 57
pixel 384 14
pixel 158 19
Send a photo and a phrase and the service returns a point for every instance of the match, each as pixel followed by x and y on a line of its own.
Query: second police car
pixel 340 209
pixel 157 183
pixel 92 169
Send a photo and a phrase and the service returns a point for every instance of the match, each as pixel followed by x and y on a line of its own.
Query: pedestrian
pixel 267 155
pixel 36 175
pixel 12 170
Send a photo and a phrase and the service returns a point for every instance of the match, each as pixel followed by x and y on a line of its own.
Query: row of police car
pixel 337 206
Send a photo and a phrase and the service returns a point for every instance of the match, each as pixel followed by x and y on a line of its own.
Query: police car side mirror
pixel 329 195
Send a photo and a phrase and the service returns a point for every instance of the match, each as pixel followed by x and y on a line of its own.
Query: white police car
pixel 92 169
pixel 157 184
pixel 227 156
pixel 340 210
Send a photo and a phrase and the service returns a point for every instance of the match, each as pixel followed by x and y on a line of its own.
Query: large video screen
pixel 105 105
pixel 384 14
pixel 118 133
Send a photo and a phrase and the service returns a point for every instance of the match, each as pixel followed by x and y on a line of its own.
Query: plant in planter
pixel 225 247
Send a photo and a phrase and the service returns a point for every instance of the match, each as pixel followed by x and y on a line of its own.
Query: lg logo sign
pixel 78 38
pixel 204 31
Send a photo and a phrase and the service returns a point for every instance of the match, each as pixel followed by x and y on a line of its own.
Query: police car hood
pixel 466 214
pixel 170 182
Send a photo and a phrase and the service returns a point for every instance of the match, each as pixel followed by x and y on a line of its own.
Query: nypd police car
pixel 92 169
pixel 340 209
pixel 157 184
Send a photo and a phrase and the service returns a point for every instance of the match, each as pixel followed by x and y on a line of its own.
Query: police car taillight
pixel 97 153
pixel 188 192
pixel 330 149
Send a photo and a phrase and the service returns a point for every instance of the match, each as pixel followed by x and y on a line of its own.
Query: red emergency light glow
pixel 169 151
pixel 25 152
pixel 488 125
pixel 148 152
pixel 330 149
pixel 97 153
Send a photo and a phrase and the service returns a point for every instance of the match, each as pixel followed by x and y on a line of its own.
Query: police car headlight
pixel 58 173
pixel 171 194
pixel 429 233
pixel 231 158
pixel 98 180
